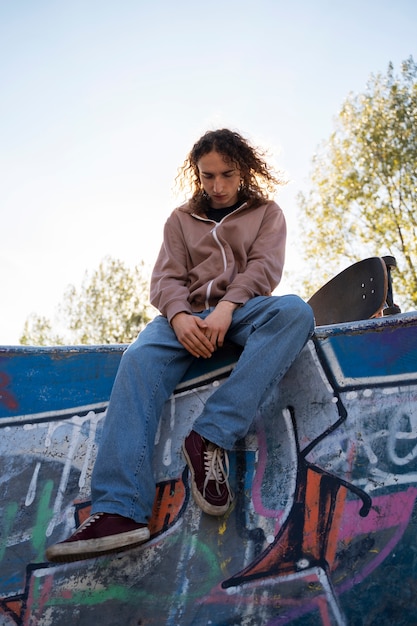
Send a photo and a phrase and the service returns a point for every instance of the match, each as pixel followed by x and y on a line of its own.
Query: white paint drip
pixel 77 423
pixel 167 454
pixel 30 496
pixel 93 419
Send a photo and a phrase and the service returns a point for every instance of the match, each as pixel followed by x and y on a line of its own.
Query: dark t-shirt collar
pixel 218 214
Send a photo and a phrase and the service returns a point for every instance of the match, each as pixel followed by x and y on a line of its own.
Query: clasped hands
pixel 202 337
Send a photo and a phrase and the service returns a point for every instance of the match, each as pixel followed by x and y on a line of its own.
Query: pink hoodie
pixel 202 262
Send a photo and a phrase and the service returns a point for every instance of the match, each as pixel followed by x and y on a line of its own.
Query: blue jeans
pixel 273 331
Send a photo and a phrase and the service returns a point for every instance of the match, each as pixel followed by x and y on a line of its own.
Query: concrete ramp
pixel 323 529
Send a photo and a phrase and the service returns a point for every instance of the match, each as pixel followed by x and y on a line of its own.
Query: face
pixel 220 180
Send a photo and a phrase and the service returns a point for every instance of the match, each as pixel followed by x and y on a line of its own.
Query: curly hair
pixel 258 178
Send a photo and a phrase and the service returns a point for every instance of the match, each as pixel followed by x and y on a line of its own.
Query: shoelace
pixel 90 520
pixel 215 468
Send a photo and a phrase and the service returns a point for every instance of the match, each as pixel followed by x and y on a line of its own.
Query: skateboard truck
pixel 391 308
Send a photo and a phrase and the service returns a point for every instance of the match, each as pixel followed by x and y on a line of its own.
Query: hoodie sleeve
pixel 169 291
pixel 265 260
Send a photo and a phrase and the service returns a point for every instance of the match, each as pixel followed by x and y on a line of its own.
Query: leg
pixel 123 486
pixel 273 331
pixel 149 371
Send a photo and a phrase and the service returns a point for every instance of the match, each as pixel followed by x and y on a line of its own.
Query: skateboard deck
pixel 359 292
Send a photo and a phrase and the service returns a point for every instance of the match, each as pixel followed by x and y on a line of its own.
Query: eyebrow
pixel 225 172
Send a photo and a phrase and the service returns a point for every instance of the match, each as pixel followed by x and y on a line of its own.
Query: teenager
pixel 221 258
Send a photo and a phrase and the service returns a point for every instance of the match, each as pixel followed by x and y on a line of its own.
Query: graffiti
pixel 325 483
pixel 6 397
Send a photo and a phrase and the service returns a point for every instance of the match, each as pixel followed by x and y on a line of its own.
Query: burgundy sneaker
pixel 101 533
pixel 209 468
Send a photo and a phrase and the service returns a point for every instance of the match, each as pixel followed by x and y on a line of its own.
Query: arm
pixel 169 291
pixel 264 261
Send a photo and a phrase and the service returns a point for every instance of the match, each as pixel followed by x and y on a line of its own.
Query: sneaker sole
pixel 206 507
pixel 67 552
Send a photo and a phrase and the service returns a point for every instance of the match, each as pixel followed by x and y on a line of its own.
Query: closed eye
pixel 227 174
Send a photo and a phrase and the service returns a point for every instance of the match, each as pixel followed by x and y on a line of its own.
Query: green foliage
pixel 363 200
pixel 38 331
pixel 111 306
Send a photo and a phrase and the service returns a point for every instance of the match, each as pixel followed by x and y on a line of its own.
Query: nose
pixel 217 185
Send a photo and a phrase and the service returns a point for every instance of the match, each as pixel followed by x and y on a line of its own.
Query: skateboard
pixel 359 292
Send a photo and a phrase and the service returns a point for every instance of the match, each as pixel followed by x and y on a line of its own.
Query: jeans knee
pixel 300 310
pixel 133 356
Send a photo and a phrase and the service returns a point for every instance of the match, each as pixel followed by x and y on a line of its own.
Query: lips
pixel 220 199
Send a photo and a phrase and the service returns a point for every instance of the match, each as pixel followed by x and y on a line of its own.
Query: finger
pixel 202 324
pixel 199 348
pixel 207 339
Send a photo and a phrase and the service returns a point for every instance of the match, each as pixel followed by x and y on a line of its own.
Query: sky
pixel 102 100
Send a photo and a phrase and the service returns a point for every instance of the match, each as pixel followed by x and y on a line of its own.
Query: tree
pixel 38 331
pixel 111 306
pixel 363 200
